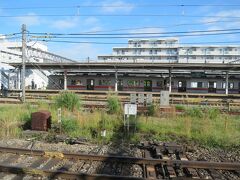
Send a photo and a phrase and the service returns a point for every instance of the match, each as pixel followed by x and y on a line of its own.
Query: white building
pixel 171 51
pixel 11 52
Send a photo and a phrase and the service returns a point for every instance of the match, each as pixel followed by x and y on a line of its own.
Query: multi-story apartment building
pixel 208 54
pixel 171 51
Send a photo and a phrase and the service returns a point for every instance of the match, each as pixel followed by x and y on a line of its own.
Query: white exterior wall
pixel 11 52
pixel 169 50
pixel 159 50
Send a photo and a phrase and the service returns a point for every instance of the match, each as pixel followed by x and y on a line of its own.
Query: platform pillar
pixel 116 81
pixel 226 84
pixel 65 79
pixel 170 80
pixel 18 79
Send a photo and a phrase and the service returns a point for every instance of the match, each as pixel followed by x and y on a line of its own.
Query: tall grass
pixel 207 127
pixel 68 100
pixel 113 103
pixel 204 126
pixel 91 124
pixel 12 117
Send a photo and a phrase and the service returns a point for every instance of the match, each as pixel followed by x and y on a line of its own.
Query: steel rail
pixel 123 159
pixel 62 174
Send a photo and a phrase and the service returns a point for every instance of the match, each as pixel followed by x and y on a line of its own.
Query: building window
pixel 196 84
pixel 78 82
pixel 230 85
pixel 223 85
pixel 73 82
pixel 104 82
pixel 150 51
pixel 159 83
pixel 61 81
pixel 155 51
pixel 133 83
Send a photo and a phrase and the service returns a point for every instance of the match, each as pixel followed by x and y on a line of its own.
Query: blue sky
pixel 78 23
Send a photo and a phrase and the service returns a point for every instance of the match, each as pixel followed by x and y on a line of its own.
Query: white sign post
pixel 59 115
pixel 129 109
pixel 60 119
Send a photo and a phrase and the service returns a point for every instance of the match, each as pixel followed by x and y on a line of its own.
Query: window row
pixel 211 84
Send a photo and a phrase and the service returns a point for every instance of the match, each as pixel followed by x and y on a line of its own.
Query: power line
pixel 10 34
pixel 155 27
pixel 117 15
pixel 127 37
pixel 136 33
pixel 119 43
pixel 127 5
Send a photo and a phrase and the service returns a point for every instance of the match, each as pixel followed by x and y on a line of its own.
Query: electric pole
pixel 24 46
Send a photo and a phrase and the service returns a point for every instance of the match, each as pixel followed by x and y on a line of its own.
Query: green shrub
pixel 68 100
pixel 70 125
pixel 194 112
pixel 113 104
pixel 213 113
pixel 179 107
pixel 151 109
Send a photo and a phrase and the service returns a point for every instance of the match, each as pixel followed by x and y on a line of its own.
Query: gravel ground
pixel 193 152
pixel 213 154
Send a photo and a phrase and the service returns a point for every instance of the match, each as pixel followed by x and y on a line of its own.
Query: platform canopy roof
pixel 131 66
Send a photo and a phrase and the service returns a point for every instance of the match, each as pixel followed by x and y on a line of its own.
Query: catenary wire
pixel 143 37
pixel 135 33
pixel 127 5
pixel 118 15
pixel 119 43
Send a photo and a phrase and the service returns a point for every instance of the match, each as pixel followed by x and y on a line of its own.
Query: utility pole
pixel 24 46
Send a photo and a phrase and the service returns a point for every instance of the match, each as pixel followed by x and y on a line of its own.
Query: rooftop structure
pixel 171 51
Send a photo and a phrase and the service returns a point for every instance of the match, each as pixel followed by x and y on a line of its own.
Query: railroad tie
pixel 10 160
pixel 190 172
pixel 38 162
pixel 215 174
pixel 51 163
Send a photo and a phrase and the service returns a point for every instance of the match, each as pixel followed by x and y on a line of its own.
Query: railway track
pixel 165 161
pixel 214 100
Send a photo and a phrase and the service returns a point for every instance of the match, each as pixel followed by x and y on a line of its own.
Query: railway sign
pixel 149 99
pixel 141 98
pixel 130 109
pixel 133 98
pixel 164 98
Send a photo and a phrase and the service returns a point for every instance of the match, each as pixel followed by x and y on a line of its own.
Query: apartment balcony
pixel 215 53
pixel 147 46
pixel 140 55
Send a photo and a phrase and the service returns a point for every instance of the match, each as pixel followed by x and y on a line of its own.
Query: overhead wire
pixel 119 43
pixel 166 26
pixel 141 37
pixel 135 33
pixel 122 5
pixel 118 15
